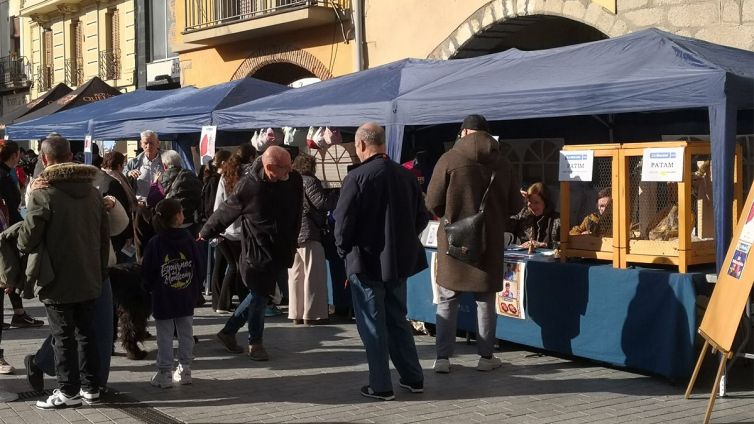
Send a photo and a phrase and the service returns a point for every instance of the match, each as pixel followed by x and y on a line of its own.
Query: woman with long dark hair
pixel 226 278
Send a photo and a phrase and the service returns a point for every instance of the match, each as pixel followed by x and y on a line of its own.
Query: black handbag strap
pixel 484 197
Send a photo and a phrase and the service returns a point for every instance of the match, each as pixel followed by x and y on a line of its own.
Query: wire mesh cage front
pixel 590 207
pixel 591 202
pixel 669 223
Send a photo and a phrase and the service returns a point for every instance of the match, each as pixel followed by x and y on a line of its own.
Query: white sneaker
pixel 5 368
pixel 182 375
pixel 59 400
pixel 442 366
pixel 89 396
pixel 162 379
pixel 488 364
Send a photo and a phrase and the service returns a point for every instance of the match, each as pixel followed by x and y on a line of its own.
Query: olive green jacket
pixel 69 218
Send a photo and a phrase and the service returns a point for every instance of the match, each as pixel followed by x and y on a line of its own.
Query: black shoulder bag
pixel 467 237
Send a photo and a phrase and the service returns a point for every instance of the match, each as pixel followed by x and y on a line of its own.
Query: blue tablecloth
pixel 637 318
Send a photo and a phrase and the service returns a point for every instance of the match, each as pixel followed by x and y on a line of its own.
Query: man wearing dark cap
pixel 474 123
pixel 459 180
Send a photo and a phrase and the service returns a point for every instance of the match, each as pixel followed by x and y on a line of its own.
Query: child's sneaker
pixel 182 375
pixel 488 364
pixel 5 367
pixel 59 400
pixel 162 379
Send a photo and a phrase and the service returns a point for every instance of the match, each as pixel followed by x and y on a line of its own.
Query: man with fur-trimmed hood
pixel 69 217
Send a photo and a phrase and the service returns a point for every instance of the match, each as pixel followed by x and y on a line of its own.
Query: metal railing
pixel 74 72
pixel 109 64
pixel 44 77
pixel 203 14
pixel 15 72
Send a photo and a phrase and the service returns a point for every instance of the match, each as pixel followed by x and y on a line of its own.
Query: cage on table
pixel 589 209
pixel 670 223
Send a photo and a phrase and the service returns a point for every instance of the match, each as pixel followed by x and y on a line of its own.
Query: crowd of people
pixel 270 220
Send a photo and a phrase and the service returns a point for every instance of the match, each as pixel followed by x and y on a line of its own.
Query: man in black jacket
pixel 269 200
pixel 379 217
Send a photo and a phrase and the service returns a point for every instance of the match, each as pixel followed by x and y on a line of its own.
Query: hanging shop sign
pixel 576 165
pixel 662 164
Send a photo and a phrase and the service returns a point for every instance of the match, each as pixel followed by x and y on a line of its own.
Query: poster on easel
pixel 723 314
pixel 510 301
pixel 728 302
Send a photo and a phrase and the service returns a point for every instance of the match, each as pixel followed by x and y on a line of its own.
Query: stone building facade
pixel 727 22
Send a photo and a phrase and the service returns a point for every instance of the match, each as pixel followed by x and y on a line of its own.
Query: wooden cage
pixel 670 223
pixel 591 235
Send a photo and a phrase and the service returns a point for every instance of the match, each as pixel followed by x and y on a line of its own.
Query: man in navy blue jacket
pixel 379 217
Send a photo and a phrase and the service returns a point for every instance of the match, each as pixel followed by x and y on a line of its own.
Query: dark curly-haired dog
pixel 133 306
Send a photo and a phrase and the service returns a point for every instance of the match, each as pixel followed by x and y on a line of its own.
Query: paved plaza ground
pixel 315 374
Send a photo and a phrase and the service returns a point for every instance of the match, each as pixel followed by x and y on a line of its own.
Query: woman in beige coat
pixel 455 191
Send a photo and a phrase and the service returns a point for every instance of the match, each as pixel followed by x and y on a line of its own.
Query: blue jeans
pixel 380 310
pixel 103 333
pixel 250 311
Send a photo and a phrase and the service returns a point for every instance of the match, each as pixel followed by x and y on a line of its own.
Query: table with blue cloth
pixel 637 318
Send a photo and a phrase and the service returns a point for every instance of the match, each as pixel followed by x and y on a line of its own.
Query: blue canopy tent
pixel 349 100
pixel 76 123
pixel 185 112
pixel 649 70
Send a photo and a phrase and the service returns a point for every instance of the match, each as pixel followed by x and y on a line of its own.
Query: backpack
pixel 207 199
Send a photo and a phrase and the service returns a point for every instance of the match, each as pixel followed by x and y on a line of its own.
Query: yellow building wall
pixel 203 67
pixel 216 65
pixel 397 29
pixel 92 18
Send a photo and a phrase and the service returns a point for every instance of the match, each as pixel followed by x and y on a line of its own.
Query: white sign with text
pixel 576 165
pixel 662 164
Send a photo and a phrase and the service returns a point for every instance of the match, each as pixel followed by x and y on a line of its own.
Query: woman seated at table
pixel 537 223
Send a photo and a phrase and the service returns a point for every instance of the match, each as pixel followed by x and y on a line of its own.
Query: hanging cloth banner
pixel 207 143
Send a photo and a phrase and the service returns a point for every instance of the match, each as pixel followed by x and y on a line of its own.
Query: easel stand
pixel 748 325
pixel 720 370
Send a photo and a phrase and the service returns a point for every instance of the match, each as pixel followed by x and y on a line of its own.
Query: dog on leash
pixel 133 306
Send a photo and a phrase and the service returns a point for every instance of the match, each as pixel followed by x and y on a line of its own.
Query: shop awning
pixel 92 91
pixel 50 96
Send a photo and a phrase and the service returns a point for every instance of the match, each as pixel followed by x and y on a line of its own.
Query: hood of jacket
pixel 72 178
pixel 478 147
pixel 169 175
pixel 255 170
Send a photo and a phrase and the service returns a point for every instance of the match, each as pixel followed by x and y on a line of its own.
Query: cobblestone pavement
pixel 315 373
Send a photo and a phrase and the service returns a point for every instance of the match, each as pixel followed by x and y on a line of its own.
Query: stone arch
pixel 262 57
pixel 583 11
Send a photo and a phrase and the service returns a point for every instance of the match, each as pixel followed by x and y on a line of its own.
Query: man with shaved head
pixel 269 200
pixel 379 217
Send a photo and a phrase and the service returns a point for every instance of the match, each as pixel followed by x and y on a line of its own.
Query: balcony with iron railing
pixel 49 7
pixel 213 22
pixel 74 72
pixel 109 64
pixel 44 78
pixel 15 73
